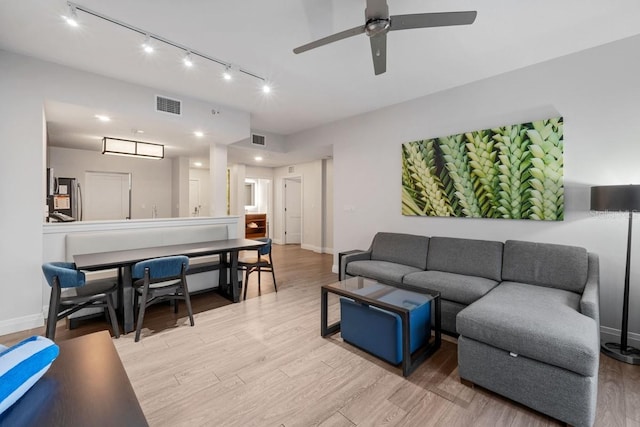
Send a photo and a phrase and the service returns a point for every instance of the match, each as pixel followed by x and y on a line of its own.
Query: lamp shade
pixel 615 198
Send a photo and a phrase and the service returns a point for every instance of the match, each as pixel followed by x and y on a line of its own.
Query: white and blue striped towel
pixel 22 365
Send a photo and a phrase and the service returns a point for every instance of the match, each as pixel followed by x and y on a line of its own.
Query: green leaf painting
pixel 511 172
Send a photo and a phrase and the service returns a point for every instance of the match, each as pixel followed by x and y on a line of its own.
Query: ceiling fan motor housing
pixel 376 26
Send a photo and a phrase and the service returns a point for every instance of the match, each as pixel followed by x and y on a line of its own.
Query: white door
pixel 107 196
pixel 194 197
pixel 292 210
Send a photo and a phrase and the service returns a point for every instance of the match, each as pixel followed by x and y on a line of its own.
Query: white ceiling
pixel 319 86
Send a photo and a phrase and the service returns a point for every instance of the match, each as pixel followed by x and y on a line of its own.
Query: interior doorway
pixel 194 197
pixel 107 196
pixel 292 210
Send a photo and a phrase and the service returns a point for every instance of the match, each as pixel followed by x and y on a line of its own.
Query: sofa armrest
pixel 345 258
pixel 590 301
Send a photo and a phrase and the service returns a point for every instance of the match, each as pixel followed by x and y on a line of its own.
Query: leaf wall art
pixel 510 172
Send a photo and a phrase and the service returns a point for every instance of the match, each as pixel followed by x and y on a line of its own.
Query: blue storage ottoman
pixel 379 331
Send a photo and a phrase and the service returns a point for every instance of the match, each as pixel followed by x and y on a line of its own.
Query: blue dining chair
pixel 260 262
pixel 71 292
pixel 160 279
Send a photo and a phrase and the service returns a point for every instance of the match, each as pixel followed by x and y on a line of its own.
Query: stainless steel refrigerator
pixel 65 200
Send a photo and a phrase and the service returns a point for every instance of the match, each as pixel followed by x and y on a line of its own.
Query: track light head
pixel 146 45
pixel 71 17
pixel 227 74
pixel 188 62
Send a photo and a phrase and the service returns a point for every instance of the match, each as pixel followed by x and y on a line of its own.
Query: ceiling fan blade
pixel 426 20
pixel 376 9
pixel 330 39
pixel 379 53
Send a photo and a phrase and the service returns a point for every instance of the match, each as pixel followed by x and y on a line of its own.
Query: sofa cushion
pixel 544 264
pixel 453 287
pixel 388 272
pixel 400 248
pixel 536 322
pixel 481 258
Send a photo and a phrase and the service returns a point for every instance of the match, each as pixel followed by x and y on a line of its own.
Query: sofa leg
pixel 467 383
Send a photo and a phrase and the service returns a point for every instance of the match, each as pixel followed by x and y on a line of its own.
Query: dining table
pixel 124 260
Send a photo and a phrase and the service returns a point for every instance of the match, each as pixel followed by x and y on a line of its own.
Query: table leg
pixel 235 285
pixel 127 299
pixel 325 328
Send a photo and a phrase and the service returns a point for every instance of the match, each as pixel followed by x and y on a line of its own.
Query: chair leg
pixel 54 307
pixel 273 273
pixel 112 316
pixel 143 306
pixel 259 275
pixel 187 299
pixel 246 282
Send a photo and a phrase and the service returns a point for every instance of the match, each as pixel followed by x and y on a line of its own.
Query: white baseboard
pixel 313 248
pixel 613 335
pixel 23 323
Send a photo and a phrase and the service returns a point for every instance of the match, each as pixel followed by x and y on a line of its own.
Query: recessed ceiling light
pixel 266 88
pixel 103 118
pixel 257 158
pixel 198 133
pixel 137 131
pixel 197 164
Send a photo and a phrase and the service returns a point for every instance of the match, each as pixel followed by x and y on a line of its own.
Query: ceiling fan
pixel 378 23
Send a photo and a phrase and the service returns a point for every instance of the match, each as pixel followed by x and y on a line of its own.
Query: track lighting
pixel 147 46
pixel 227 75
pixel 188 62
pixel 231 70
pixel 72 16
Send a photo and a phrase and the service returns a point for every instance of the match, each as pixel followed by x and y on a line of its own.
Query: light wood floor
pixel 262 362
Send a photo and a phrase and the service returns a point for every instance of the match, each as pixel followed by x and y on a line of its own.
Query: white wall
pixel 327 203
pixel 25 85
pixel 150 179
pixel 597 92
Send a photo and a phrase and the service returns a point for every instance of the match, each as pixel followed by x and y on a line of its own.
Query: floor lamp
pixel 620 198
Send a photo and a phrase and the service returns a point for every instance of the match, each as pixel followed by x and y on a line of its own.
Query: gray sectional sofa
pixel 526 314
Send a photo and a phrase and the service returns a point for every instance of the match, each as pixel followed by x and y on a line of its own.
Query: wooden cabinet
pixel 255 226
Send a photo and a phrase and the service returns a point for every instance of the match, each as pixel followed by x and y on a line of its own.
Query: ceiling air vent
pixel 168 105
pixel 258 140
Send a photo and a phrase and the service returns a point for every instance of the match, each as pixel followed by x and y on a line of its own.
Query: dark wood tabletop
pixel 85 386
pixel 104 260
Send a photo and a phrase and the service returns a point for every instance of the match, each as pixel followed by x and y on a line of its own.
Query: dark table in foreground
pixel 85 386
pixel 125 259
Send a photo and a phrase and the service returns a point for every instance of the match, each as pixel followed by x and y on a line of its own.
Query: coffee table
pixel 352 288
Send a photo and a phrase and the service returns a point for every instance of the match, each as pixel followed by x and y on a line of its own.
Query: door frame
pixel 284 205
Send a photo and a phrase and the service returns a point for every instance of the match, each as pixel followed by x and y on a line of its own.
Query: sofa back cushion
pixel 482 258
pixel 545 264
pixel 406 249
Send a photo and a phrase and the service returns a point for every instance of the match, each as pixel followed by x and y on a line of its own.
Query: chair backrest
pixel 266 249
pixel 68 276
pixel 159 268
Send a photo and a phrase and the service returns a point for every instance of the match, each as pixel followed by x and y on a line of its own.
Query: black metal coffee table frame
pixel 409 361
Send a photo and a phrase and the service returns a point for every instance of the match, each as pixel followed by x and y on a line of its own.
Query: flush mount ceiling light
pixel 190 53
pixel 127 147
